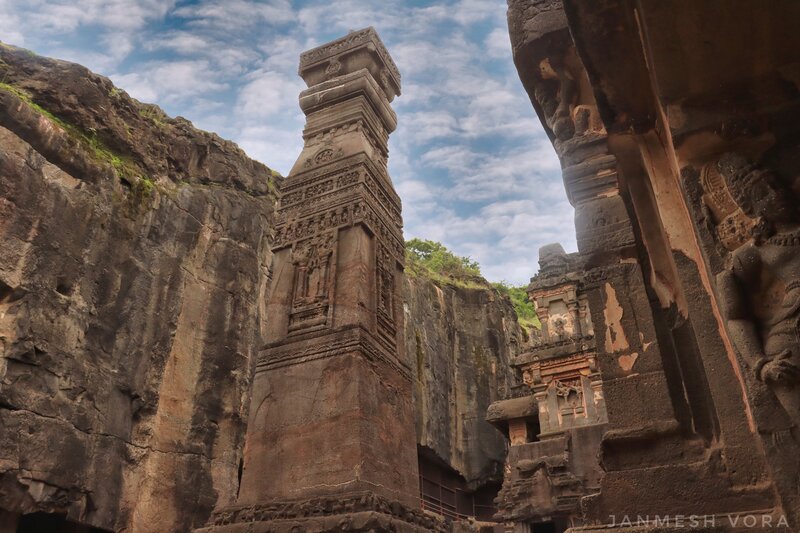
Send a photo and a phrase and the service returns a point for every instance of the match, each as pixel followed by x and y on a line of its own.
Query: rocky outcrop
pixel 460 341
pixel 134 254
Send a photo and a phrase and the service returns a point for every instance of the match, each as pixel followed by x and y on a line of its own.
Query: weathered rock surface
pixel 134 253
pixel 461 341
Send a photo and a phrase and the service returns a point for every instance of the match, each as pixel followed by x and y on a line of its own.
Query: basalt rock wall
pixel 134 254
pixel 460 341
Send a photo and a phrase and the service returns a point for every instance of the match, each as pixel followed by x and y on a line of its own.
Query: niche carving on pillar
pixel 313 268
pixel 570 396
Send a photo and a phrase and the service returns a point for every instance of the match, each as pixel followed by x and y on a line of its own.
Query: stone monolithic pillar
pixel 331 433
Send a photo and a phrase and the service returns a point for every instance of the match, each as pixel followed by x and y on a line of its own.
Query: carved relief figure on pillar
pixel 761 288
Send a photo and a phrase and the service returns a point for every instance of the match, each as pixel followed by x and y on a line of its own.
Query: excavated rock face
pixel 134 253
pixel 461 341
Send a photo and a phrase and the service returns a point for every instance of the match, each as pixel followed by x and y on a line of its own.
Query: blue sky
pixel 469 158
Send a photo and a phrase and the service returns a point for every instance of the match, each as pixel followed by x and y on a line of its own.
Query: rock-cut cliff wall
pixel 460 341
pixel 134 252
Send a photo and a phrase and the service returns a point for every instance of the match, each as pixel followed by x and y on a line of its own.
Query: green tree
pixel 435 257
pixel 433 260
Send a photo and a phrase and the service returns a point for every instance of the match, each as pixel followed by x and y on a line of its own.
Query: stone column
pixel 331 436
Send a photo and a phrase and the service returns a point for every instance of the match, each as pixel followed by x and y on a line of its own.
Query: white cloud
pixel 415 191
pixel 275 146
pixel 10 24
pixel 498 44
pixel 66 15
pixel 282 53
pixel 234 15
pixel 183 42
pixel 170 81
pixel 483 177
pixel 52 26
pixel 267 94
pixel 424 126
pixel 469 158
pixel 346 15
pixel 504 237
pixel 472 11
pixel 137 86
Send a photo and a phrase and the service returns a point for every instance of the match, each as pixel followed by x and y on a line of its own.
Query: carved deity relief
pixel 559 324
pixel 312 262
pixel 760 290
pixel 570 396
pixel 528 378
pixel 385 290
pixel 585 317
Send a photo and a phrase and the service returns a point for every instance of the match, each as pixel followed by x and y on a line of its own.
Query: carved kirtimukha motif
pixel 333 68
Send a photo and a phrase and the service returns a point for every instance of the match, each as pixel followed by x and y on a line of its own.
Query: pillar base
pixel 356 512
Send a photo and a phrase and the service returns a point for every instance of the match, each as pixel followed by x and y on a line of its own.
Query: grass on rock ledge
pixel 126 169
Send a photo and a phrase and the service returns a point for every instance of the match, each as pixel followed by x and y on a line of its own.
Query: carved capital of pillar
pixel 357 50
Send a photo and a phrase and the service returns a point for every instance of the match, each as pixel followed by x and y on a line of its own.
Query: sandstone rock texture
pixel 135 257
pixel 461 341
pixel 134 253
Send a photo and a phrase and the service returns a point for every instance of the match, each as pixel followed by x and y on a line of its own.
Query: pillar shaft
pixel 331 433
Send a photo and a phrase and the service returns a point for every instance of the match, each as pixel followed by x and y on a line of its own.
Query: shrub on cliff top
pixel 433 260
pixel 436 258
pixel 526 313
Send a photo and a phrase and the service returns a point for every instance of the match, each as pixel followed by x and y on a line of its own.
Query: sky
pixel 469 158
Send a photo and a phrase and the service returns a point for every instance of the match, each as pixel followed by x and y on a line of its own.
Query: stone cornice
pixel 331 56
